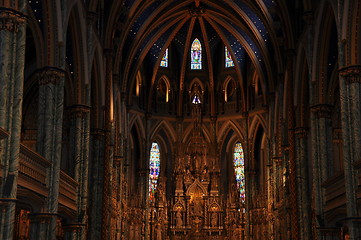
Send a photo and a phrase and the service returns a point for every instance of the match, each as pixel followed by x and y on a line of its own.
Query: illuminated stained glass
pixel 154 165
pixel 196 54
pixel 228 57
pixel 238 163
pixel 196 100
pixel 164 62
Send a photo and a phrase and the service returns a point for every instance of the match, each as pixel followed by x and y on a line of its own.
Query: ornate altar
pixel 197 208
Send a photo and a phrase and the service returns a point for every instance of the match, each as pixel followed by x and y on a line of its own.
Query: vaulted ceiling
pixel 251 29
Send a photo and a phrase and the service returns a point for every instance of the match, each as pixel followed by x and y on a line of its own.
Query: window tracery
pixel 228 58
pixel 238 164
pixel 154 166
pixel 196 55
pixel 165 59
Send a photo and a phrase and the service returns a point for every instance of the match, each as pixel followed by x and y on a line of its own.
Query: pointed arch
pixel 229 88
pixel 228 126
pixel 167 127
pixel 164 88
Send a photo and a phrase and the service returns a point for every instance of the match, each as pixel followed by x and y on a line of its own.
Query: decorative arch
pixel 326 24
pixel 229 88
pixel 164 88
pixel 228 126
pixel 168 129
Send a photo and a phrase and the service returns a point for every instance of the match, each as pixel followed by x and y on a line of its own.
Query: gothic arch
pixel 136 121
pixel 256 121
pixel 325 25
pixel 354 25
pixel 97 91
pixel 188 131
pixel 168 129
pixel 228 126
pixel 80 73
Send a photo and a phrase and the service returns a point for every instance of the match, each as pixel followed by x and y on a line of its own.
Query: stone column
pixel 40 224
pixel 96 188
pixel 350 87
pixel 73 231
pixel 80 138
pixel 49 139
pixel 303 198
pixel 321 134
pixel 109 147
pixel 12 54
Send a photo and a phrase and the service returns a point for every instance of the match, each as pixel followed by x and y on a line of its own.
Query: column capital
pixel 79 110
pixel 352 73
pixel 308 17
pixel 75 227
pixel 11 19
pixel 42 217
pixel 117 160
pixel 97 132
pixel 322 110
pixel 92 17
pixel 301 132
pixel 50 75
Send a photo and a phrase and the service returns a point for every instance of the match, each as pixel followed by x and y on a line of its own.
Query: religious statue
pixel 214 220
pixel 179 221
pixel 159 232
pixel 197 207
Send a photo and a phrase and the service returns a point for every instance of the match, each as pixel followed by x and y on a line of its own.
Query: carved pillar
pixel 302 176
pixel 96 188
pixel 109 148
pixel 72 231
pixel 49 138
pixel 322 154
pixel 12 54
pixel 350 87
pixel 41 224
pixel 79 135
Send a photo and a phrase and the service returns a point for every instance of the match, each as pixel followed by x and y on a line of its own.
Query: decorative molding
pixel 50 75
pixel 309 17
pixel 352 74
pixel 92 17
pixel 10 19
pixel 97 132
pixel 322 110
pixel 42 217
pixel 301 132
pixel 79 110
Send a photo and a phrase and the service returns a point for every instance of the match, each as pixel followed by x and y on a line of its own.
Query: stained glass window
pixel 164 62
pixel 196 100
pixel 154 165
pixel 228 57
pixel 238 163
pixel 196 54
